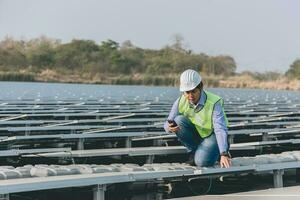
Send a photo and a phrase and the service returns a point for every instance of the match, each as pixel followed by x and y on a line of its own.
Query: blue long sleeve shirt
pixel 219 124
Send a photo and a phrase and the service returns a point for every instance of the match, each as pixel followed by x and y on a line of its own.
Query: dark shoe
pixel 191 160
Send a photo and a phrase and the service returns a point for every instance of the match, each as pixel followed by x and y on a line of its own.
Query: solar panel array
pixel 86 139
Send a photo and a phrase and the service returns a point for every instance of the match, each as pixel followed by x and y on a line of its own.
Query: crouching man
pixel 197 118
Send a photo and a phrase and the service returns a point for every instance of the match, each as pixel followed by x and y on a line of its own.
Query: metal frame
pixel 102 179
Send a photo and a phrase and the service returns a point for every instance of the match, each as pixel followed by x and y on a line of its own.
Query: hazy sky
pixel 261 35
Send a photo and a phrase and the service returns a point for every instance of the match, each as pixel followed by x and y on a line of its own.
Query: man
pixel 198 119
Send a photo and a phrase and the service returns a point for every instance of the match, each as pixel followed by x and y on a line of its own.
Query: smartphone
pixel 172 122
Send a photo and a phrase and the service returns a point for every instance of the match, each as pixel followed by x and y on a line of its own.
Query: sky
pixel 261 35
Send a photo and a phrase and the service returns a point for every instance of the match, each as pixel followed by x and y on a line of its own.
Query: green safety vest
pixel 203 119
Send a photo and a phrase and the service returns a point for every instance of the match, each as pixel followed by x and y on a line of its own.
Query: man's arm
pixel 221 131
pixel 173 113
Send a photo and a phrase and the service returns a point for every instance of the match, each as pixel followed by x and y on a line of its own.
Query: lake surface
pixel 106 93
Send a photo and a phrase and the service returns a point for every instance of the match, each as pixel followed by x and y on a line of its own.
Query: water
pixel 58 91
pixel 55 91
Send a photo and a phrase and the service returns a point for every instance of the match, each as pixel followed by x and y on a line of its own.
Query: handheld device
pixel 172 122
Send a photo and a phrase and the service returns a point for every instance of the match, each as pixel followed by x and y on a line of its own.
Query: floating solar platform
pixel 41 177
pixel 105 123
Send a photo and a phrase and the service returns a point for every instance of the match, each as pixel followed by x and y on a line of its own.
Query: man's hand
pixel 225 161
pixel 173 128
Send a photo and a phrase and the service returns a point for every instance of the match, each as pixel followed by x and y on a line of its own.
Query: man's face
pixel 193 95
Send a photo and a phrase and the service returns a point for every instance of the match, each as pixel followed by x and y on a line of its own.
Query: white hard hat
pixel 189 80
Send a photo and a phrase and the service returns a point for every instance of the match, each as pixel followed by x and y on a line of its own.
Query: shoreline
pixel 234 81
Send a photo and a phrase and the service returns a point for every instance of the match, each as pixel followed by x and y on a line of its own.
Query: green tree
pixel 223 65
pixel 112 59
pixel 294 70
pixel 134 60
pixel 76 54
pixel 12 53
pixel 41 51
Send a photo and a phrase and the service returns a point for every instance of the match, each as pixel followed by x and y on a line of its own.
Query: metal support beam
pixel 230 139
pixel 150 159
pixel 27 132
pixel 159 142
pixel 4 196
pixel 99 192
pixel 278 178
pixel 80 144
pixel 128 142
pixel 298 175
pixel 265 136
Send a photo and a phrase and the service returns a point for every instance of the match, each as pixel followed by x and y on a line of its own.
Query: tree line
pixel 110 57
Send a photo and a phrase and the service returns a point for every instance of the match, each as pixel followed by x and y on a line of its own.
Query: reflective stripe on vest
pixel 202 119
